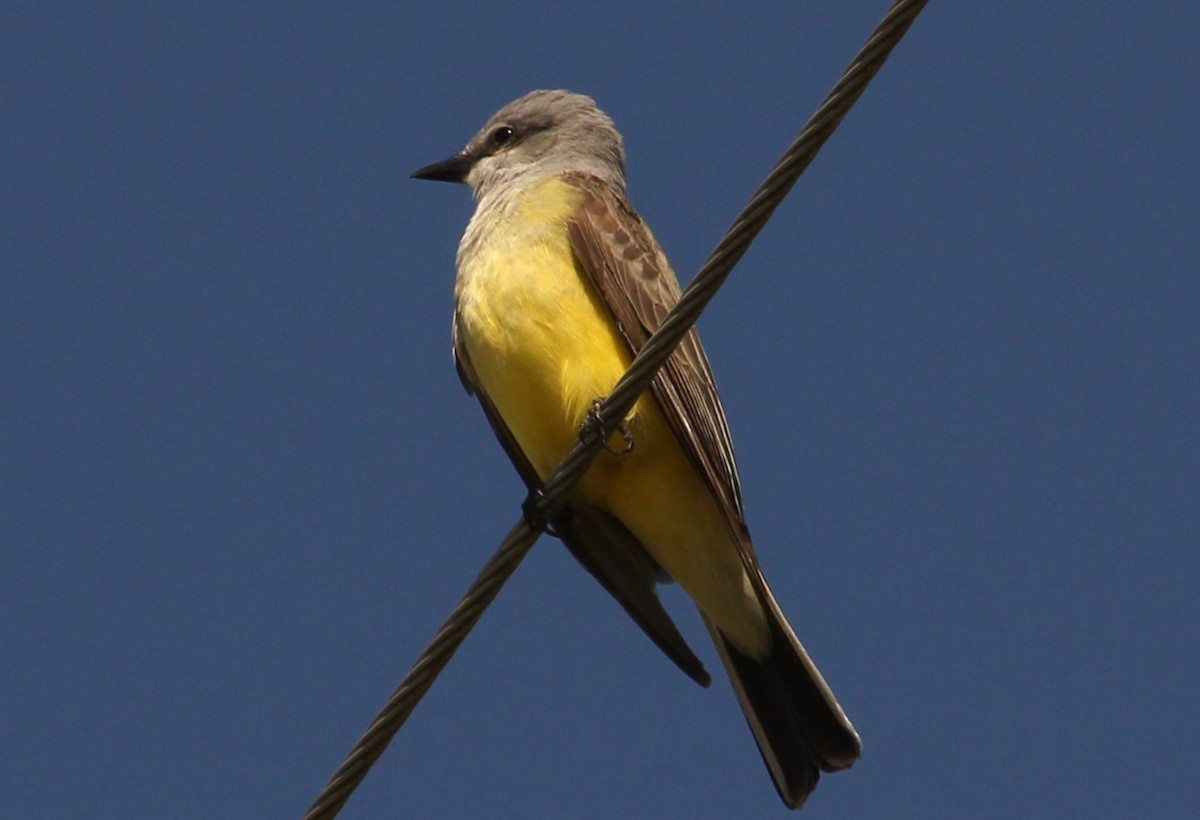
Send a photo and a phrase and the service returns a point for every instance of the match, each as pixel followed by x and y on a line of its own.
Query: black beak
pixel 454 169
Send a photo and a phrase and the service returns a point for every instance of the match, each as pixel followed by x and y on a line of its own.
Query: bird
pixel 559 282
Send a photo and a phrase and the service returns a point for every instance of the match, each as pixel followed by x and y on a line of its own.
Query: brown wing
pixel 598 541
pixel 632 274
pixel 797 722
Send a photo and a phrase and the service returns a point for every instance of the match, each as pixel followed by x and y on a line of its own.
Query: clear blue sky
pixel 241 486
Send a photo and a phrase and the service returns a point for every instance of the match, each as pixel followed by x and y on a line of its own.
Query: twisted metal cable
pixel 543 505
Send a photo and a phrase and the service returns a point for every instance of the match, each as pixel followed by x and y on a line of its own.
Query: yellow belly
pixel 544 348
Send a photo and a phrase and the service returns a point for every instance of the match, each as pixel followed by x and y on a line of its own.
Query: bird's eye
pixel 502 135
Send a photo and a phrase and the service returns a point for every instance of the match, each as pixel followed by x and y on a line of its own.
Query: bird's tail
pixel 800 729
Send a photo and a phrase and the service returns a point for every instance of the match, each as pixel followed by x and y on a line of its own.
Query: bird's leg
pixel 538 523
pixel 592 426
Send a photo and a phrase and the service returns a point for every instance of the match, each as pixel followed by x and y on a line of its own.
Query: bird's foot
pixel 537 520
pixel 592 426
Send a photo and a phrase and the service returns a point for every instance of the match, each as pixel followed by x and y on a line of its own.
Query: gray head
pixel 542 133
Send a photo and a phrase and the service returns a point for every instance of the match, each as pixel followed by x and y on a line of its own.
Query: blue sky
pixel 241 486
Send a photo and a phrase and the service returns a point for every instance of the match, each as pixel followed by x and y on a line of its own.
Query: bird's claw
pixel 592 426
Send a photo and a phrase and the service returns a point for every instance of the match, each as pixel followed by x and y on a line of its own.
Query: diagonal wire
pixel 543 505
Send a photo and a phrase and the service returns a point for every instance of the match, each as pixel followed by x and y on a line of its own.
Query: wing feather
pixel 625 264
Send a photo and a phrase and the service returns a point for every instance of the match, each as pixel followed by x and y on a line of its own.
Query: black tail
pixel 800 729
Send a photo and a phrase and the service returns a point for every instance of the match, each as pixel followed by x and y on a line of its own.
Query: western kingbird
pixel 559 283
